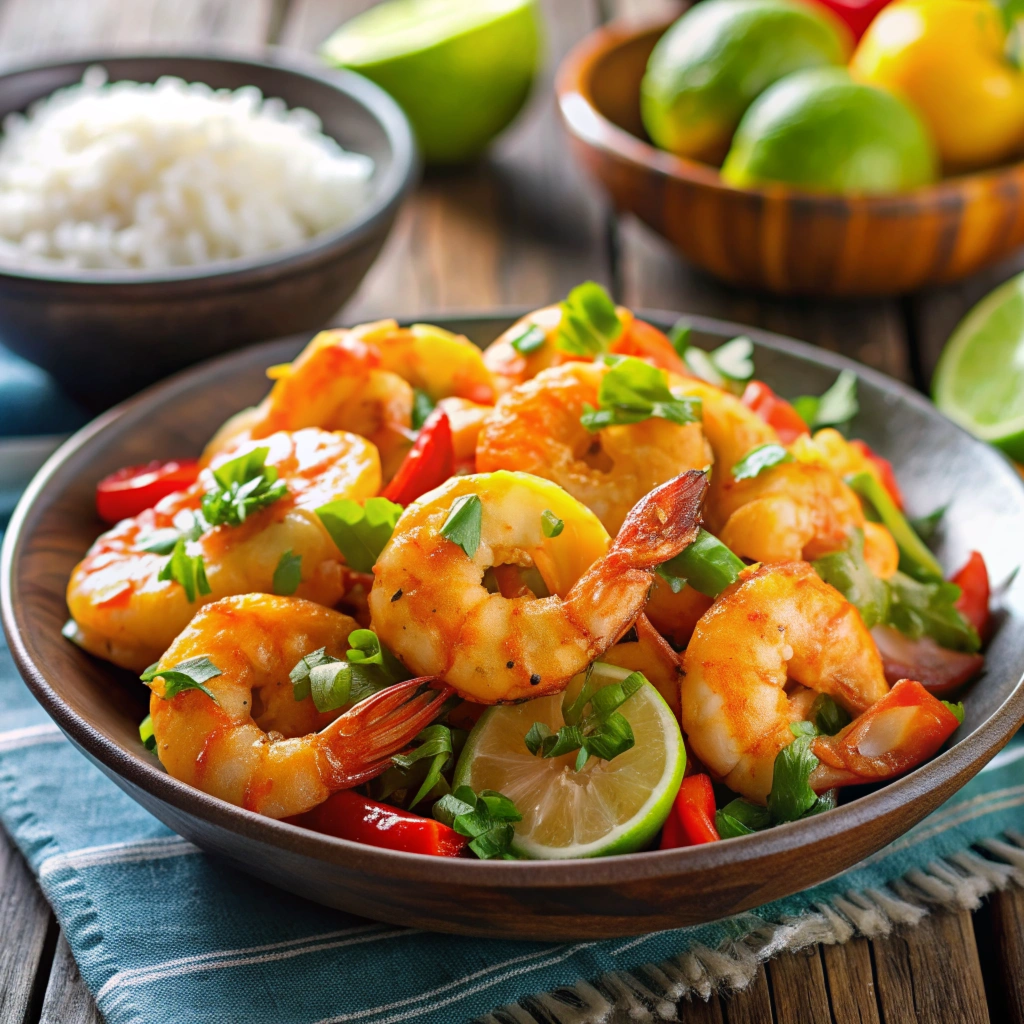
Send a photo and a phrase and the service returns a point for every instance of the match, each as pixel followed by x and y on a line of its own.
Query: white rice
pixel 130 175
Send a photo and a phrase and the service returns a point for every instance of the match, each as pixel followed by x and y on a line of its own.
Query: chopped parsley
pixel 190 674
pixel 360 531
pixel 288 574
pixel 462 527
pixel 632 391
pixel 244 484
pixel 590 321
pixel 187 570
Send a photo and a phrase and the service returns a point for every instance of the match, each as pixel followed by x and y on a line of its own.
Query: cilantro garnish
pixel 603 733
pixel 849 573
pixel 245 484
pixel 590 322
pixel 188 570
pixel 956 710
pixel 731 364
pixel 835 408
pixel 422 406
pixel 190 674
pixel 632 391
pixel 529 340
pixel 707 565
pixel 288 574
pixel 486 818
pixel 360 531
pixel 332 682
pixel 146 733
pixel 791 796
pixel 828 717
pixel 419 771
pixel 550 524
pixel 740 818
pixel 463 524
pixel 758 459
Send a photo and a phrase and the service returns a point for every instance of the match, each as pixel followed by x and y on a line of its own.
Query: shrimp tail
pixel 662 523
pixel 359 745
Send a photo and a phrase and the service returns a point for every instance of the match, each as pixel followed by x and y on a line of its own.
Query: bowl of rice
pixel 158 210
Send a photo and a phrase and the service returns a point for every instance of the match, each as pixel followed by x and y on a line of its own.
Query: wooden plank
pixel 67 1000
pixel 697 1011
pixel 751 1006
pixel 514 228
pixel 1007 910
pixel 25 919
pixel 930 974
pixel 798 988
pixel 851 982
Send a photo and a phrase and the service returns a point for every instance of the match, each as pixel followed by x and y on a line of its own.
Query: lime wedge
pixel 607 808
pixel 460 69
pixel 979 381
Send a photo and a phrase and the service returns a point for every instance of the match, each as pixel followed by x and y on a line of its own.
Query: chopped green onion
pixel 758 459
pixel 422 406
pixel 529 340
pixel 462 527
pixel 835 408
pixel 146 733
pixel 707 565
pixel 360 531
pixel 288 574
pixel 550 524
pixel 190 674
pixel 330 685
pixel 366 649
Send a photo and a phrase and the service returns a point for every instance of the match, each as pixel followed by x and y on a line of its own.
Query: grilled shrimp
pixel 757 659
pixel 124 612
pixel 253 744
pixel 536 428
pixel 430 604
pixel 362 380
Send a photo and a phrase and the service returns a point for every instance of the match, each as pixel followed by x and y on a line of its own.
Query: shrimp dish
pixel 590 590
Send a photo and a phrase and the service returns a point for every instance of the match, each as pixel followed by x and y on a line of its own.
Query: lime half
pixel 609 807
pixel 460 69
pixel 979 381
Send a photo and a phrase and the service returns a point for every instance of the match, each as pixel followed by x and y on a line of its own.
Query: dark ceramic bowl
pixel 99 707
pixel 103 334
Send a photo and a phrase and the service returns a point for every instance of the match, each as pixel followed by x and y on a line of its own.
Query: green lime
pixel 719 56
pixel 608 807
pixel 979 381
pixel 460 69
pixel 823 131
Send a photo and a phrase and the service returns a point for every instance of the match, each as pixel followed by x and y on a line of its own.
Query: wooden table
pixel 521 228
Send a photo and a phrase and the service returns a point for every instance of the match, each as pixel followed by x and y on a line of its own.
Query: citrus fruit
pixel 460 69
pixel 825 132
pixel 979 381
pixel 608 807
pixel 719 56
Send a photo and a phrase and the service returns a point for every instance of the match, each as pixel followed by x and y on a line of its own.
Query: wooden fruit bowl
pixel 776 238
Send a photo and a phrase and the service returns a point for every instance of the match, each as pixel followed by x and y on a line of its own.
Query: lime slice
pixel 609 807
pixel 979 381
pixel 460 69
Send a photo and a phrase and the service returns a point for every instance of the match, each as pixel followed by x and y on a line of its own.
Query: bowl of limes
pixel 779 151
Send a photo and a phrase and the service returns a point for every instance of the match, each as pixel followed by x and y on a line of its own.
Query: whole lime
pixel 460 69
pixel 718 57
pixel 825 132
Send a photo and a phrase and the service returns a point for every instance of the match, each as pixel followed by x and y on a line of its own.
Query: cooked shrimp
pixel 767 646
pixel 362 380
pixel 646 650
pixel 536 428
pixel 466 419
pixel 254 744
pixel 675 616
pixel 429 603
pixel 124 612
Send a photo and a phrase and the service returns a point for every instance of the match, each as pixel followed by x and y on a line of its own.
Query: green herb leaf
pixel 299 675
pixel 188 525
pixel 463 524
pixel 245 484
pixel 422 406
pixel 741 818
pixel 365 649
pixel 927 526
pixel 849 574
pixel 146 733
pixel 529 340
pixel 735 359
pixel 758 459
pixel 700 364
pixel 915 558
pixel 572 710
pixel 590 322
pixel 612 737
pixel 187 570
pixel 956 710
pixel 828 717
pixel 707 565
pixel 680 336
pixel 435 744
pixel 550 524
pixel 360 531
pixel 791 795
pixel 288 574
pixel 632 391
pixel 929 609
pixel 487 819
pixel 835 408
pixel 190 674
pixel 330 685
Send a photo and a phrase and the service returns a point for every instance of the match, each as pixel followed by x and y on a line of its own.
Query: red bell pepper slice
pixel 692 818
pixel 939 670
pixel 775 411
pixel 885 471
pixel 133 489
pixel 645 341
pixel 973 582
pixel 430 461
pixel 855 14
pixel 348 815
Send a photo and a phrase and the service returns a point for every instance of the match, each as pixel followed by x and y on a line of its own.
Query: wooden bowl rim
pixel 960 761
pixel 587 122
pixel 391 189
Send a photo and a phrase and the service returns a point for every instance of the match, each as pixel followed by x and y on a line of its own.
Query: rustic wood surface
pixel 521 227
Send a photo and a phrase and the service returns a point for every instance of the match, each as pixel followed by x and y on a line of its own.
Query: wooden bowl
pixel 100 707
pixel 104 334
pixel 776 238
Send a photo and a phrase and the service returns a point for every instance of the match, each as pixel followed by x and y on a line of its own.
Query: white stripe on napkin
pixel 30 736
pixel 248 955
pixel 1009 755
pixel 130 852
